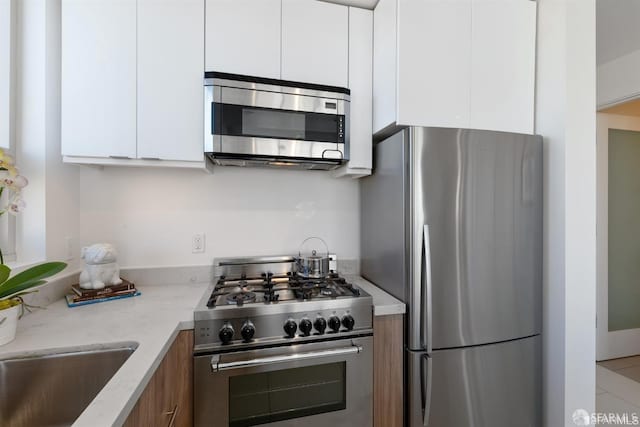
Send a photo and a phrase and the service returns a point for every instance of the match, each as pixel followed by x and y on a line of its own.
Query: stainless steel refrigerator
pixel 452 226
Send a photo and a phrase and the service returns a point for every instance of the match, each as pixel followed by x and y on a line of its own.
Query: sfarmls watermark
pixel 583 418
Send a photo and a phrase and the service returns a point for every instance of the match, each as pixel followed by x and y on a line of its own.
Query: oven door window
pixel 239 120
pixel 286 394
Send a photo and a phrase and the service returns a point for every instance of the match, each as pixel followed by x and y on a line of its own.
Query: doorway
pixel 618 236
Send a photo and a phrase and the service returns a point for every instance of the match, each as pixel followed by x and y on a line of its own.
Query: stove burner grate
pixel 269 288
pixel 239 298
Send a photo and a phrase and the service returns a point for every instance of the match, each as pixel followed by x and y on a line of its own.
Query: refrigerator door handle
pixel 420 330
pixel 426 389
pixel 426 293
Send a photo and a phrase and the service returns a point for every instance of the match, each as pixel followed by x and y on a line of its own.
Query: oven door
pixel 245 122
pixel 314 384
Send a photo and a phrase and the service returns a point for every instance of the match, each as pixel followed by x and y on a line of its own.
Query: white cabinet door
pixel 360 83
pixel 243 37
pixel 434 62
pixel 315 42
pixel 384 64
pixel 503 65
pixel 170 75
pixel 99 78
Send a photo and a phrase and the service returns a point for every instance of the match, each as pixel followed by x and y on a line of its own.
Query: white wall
pixel 565 116
pixel 30 127
pixel 51 212
pixel 6 66
pixel 151 215
pixel 63 187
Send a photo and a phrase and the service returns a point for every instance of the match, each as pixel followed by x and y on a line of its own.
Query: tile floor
pixel 618 386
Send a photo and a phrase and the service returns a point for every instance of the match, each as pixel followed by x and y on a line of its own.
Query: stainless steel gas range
pixel 274 348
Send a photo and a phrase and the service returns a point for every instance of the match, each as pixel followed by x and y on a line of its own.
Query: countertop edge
pixel 122 416
pixel 384 304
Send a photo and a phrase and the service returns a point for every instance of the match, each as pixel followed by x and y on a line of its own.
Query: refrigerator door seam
pixel 483 344
pixel 427 402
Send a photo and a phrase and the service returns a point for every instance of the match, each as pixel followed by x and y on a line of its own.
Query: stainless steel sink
pixel 54 389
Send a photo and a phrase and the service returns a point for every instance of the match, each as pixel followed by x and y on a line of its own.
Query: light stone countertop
pixel 151 320
pixel 383 303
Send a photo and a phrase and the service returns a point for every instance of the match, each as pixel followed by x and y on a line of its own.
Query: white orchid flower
pixel 16 206
pixel 15 183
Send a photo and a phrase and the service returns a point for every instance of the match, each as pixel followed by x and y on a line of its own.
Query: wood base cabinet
pixel 388 356
pixel 168 398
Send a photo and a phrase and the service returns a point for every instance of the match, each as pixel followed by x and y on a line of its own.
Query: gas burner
pixel 264 302
pixel 310 284
pixel 254 282
pixel 240 298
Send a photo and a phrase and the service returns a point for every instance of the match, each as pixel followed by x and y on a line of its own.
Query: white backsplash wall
pixel 151 215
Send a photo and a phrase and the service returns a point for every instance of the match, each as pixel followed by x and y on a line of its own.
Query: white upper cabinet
pixel 360 83
pixel 133 70
pixel 454 63
pixel 503 65
pixel 132 73
pixel 434 60
pixel 315 42
pixel 243 37
pixel 170 75
pixel 99 78
pixel 384 64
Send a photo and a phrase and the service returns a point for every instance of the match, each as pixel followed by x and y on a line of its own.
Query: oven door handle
pixel 217 366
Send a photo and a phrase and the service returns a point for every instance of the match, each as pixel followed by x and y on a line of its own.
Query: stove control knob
pixel 248 330
pixel 290 328
pixel 348 322
pixel 226 333
pixel 334 323
pixel 320 324
pixel 305 326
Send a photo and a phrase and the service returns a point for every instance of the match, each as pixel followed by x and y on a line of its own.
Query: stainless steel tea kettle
pixel 310 262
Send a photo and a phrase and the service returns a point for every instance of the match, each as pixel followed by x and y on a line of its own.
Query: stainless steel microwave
pixel 253 121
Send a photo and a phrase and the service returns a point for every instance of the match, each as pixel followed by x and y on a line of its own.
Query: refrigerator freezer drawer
pixel 495 385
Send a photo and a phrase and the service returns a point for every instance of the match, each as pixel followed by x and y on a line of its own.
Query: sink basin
pixel 54 389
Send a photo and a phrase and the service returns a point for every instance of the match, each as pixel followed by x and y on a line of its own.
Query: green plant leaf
pixel 12 292
pixel 4 273
pixel 29 276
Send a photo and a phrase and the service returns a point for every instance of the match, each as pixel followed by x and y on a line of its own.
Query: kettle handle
pixel 309 238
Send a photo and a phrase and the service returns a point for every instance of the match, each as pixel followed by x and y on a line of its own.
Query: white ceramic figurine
pixel 100 267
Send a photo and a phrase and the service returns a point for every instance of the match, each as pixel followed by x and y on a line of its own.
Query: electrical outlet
pixel 197 244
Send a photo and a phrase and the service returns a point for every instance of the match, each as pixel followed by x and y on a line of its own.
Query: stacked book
pixel 90 296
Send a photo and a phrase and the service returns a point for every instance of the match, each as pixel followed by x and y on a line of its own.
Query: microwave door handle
pixel 217 366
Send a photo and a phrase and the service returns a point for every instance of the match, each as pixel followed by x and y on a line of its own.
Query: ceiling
pixel 630 108
pixel 617 28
